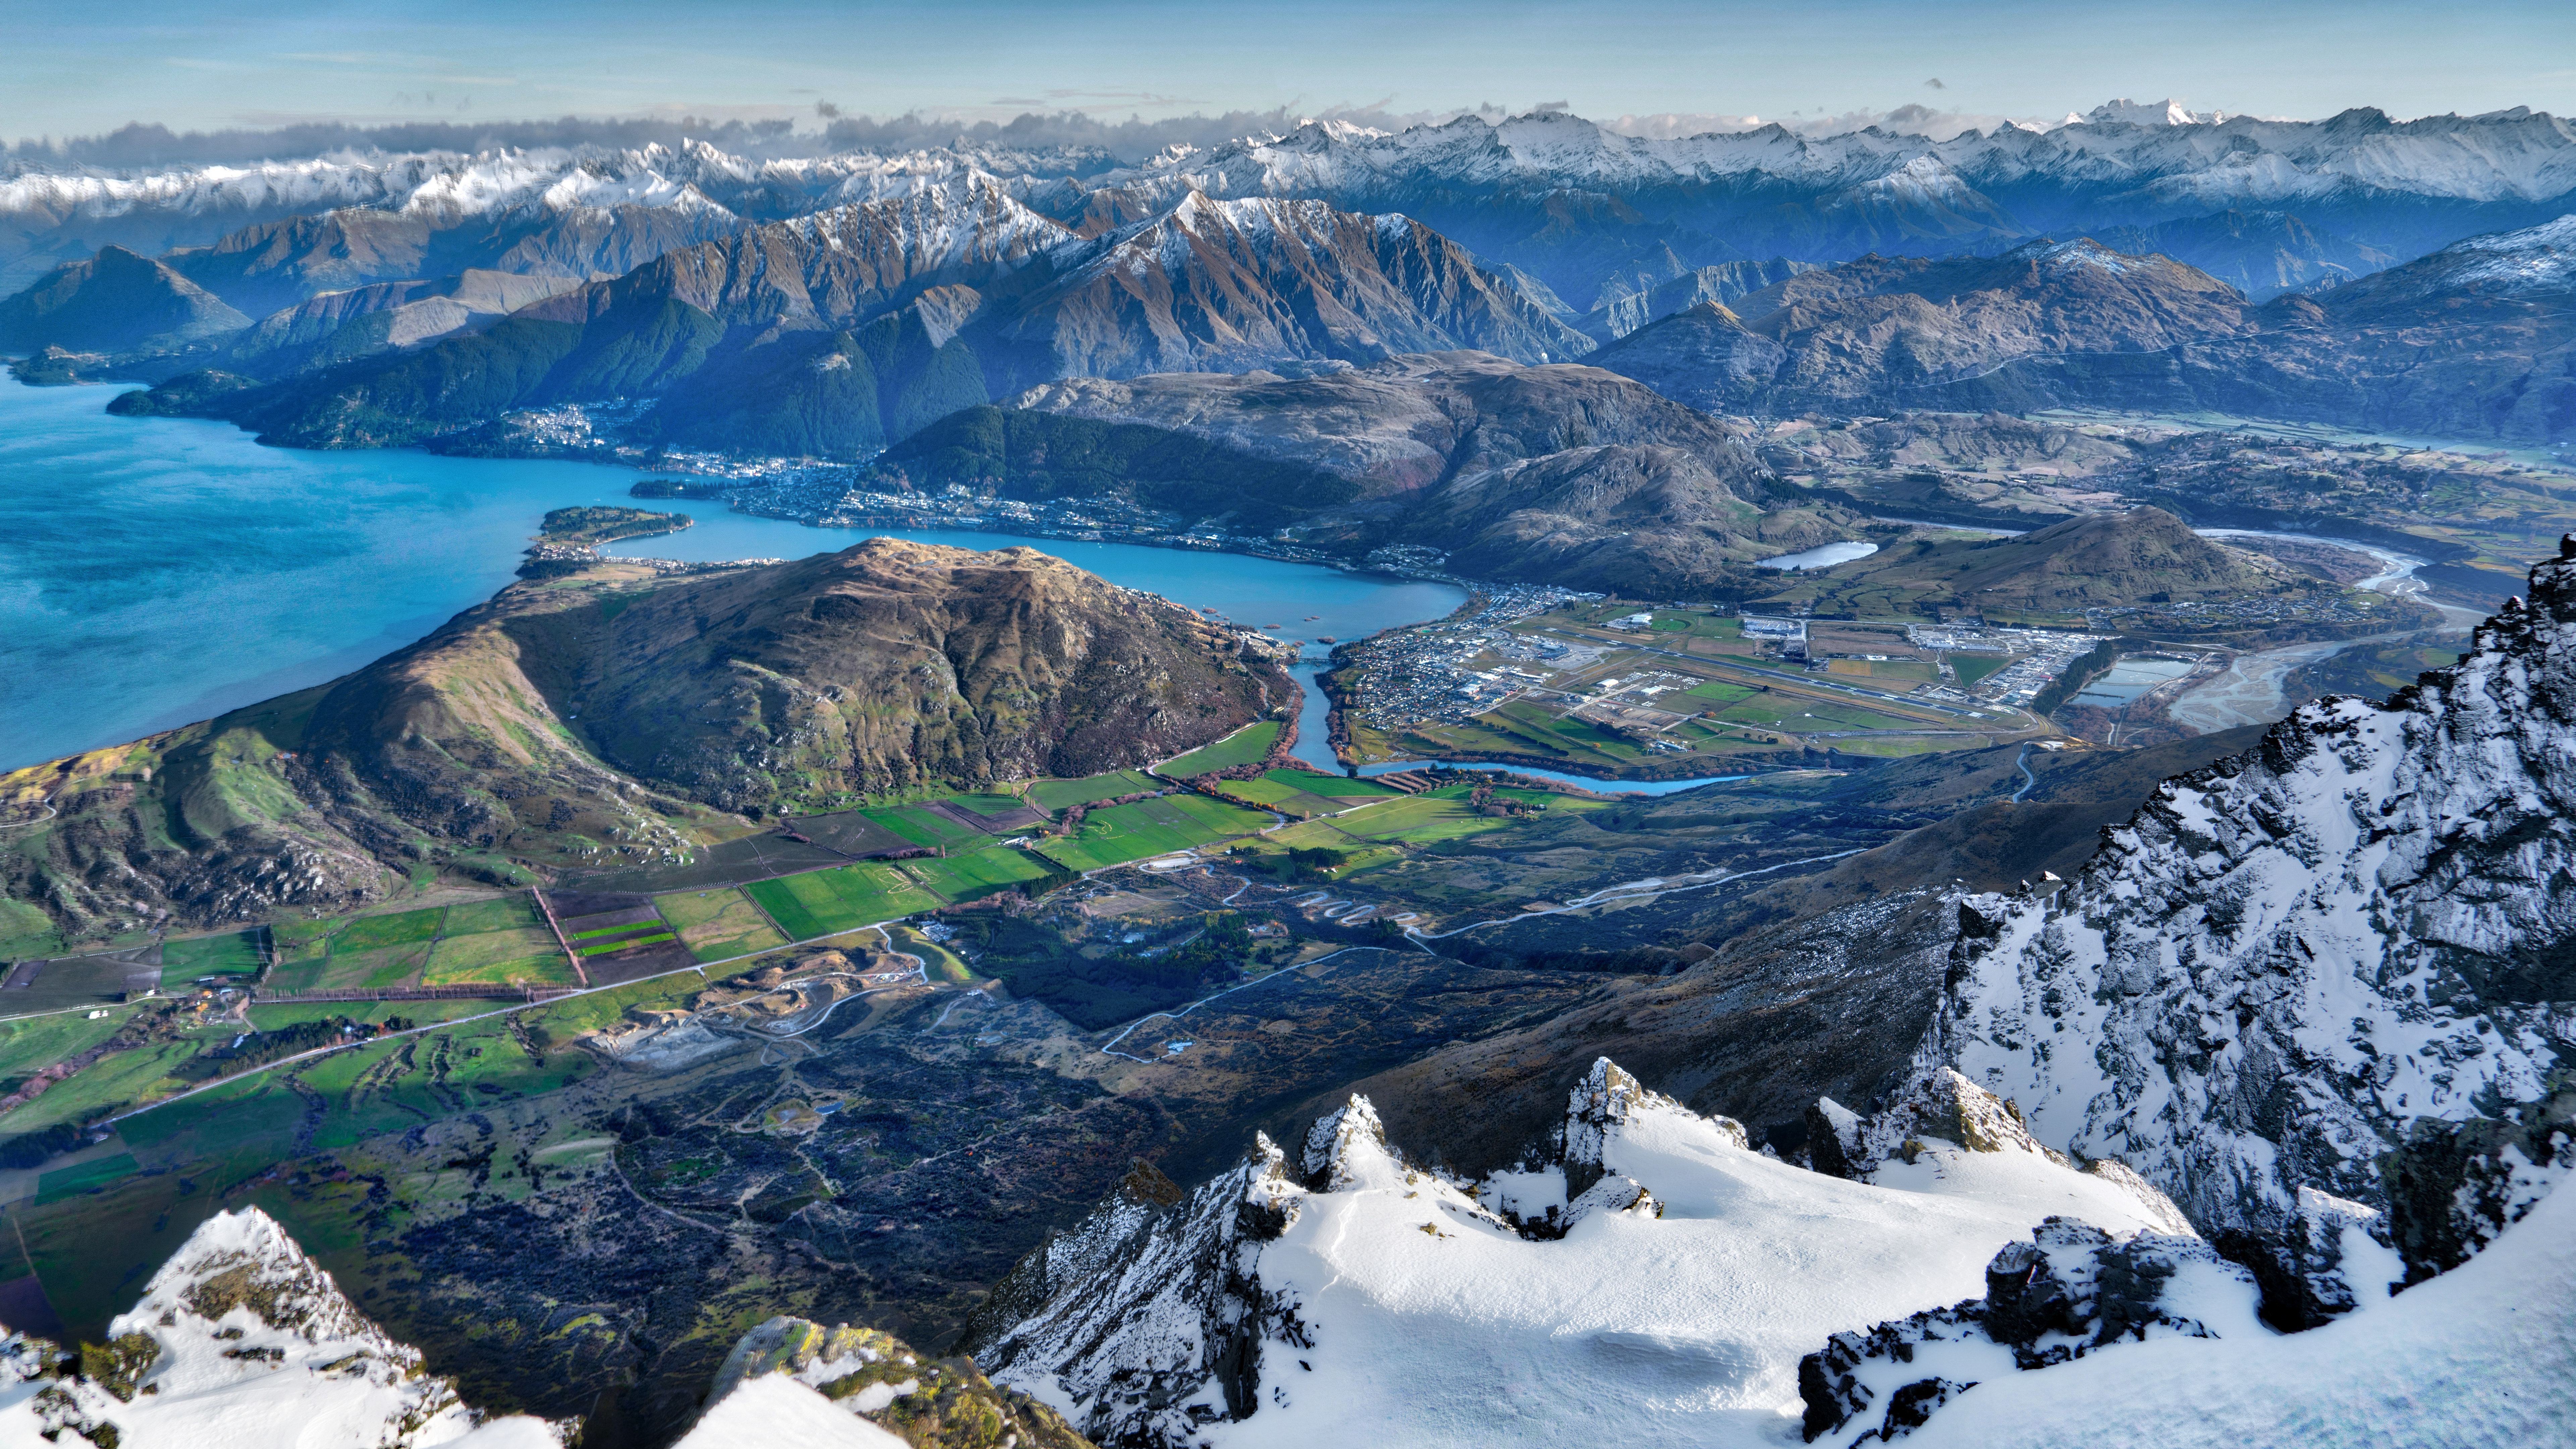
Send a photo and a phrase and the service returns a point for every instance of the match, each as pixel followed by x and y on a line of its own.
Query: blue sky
pixel 78 69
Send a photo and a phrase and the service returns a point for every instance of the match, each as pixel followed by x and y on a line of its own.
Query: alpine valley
pixel 1984 856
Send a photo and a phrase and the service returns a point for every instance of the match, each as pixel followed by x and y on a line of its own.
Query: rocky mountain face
pixel 535 727
pixel 1656 294
pixel 274 265
pixel 241 1330
pixel 2338 963
pixel 1405 425
pixel 1223 286
pixel 836 333
pixel 892 664
pixel 362 322
pixel 2262 254
pixel 1558 473
pixel 114 302
pixel 786 1373
pixel 1888 329
pixel 2475 340
pixel 2471 341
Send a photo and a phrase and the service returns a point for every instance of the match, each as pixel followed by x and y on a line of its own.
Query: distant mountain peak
pixel 2125 112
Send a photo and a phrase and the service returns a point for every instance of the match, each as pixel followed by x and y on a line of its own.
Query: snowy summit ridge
pixel 1653 1281
pixel 240 1338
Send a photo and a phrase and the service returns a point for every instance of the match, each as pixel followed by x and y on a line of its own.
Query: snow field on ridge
pixel 1632 1329
pixel 2481 1357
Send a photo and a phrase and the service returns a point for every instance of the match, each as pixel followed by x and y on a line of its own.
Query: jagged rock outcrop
pixel 240 1327
pixel 1599 1106
pixel 877 1378
pixel 2341 962
pixel 2071 1290
pixel 1150 1316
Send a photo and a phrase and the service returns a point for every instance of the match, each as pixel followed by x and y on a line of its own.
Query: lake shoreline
pixel 156 573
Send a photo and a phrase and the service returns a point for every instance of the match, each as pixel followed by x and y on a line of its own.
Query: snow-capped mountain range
pixel 1582 207
pixel 55 215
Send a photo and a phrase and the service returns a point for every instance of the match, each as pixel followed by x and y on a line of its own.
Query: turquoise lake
pixel 155 572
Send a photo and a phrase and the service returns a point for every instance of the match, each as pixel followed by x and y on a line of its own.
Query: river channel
pixel 2252 688
pixel 159 571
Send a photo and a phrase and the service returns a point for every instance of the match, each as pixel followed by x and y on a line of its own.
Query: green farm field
pixel 922 827
pixel 1057 795
pixel 384 966
pixel 1243 747
pixel 30 1042
pixel 602 948
pixel 1336 786
pixel 455 954
pixel 988 804
pixel 528 955
pixel 717 925
pixel 1425 819
pixel 238 954
pixel 964 877
pixel 828 902
pixel 368 932
pixel 1147 828
pixel 72 1181
pixel 502 913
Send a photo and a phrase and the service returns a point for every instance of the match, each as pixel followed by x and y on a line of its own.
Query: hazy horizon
pixel 77 73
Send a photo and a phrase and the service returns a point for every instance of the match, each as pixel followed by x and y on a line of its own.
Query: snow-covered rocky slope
pixel 788 1380
pixel 1654 1282
pixel 2342 962
pixel 2147 1343
pixel 2483 1357
pixel 241 1342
